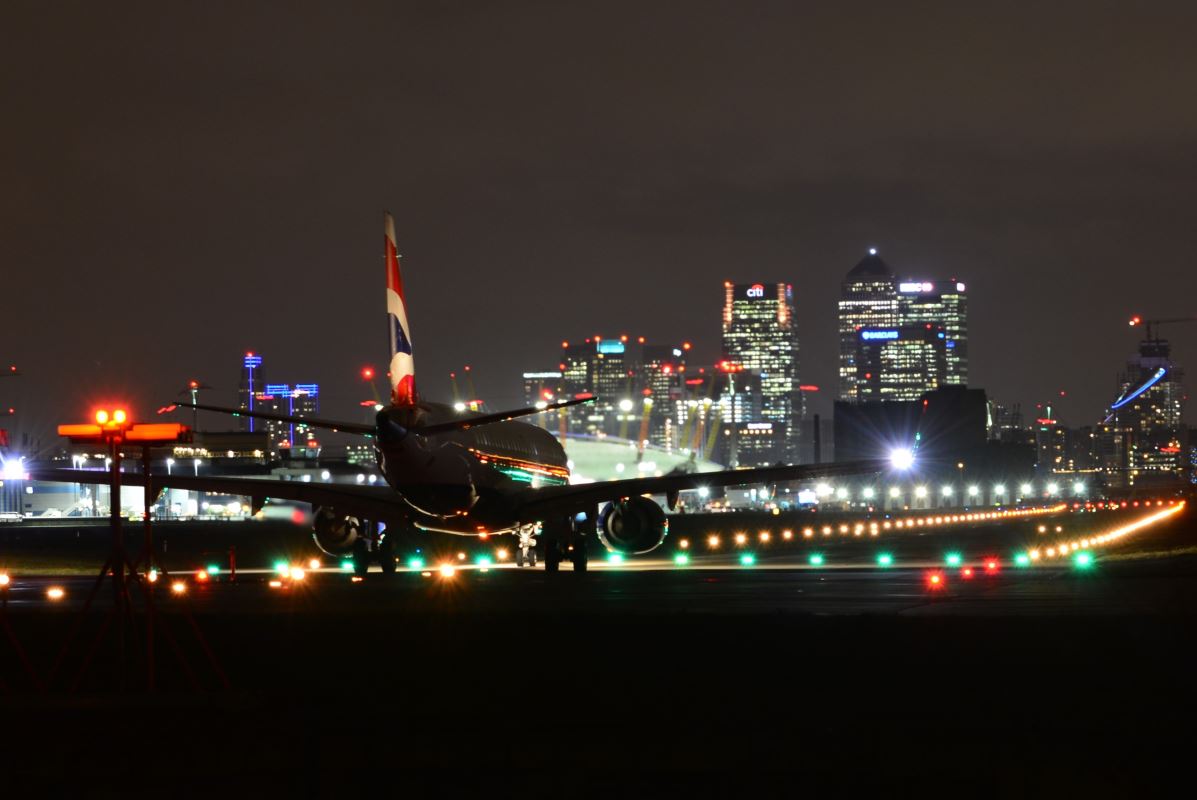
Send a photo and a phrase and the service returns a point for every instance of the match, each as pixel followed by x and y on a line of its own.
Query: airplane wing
pixel 369 502
pixel 548 500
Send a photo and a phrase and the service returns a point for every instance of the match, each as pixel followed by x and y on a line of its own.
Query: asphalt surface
pixel 648 677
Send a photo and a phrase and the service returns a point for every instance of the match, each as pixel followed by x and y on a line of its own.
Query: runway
pixel 846 676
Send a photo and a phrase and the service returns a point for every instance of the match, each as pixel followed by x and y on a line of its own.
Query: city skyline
pixel 1065 218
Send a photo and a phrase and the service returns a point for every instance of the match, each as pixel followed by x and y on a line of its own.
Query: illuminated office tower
pixel 300 400
pixel 900 363
pixel 1148 412
pixel 944 304
pixel 543 387
pixel 251 385
pixel 868 299
pixel 760 334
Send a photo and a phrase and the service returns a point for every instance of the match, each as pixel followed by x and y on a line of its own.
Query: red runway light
pixel 935 581
pixel 991 566
pixel 966 573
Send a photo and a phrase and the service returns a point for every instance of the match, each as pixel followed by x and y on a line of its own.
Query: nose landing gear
pixel 525 549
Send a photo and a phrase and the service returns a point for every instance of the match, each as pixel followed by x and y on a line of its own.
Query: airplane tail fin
pixel 402 367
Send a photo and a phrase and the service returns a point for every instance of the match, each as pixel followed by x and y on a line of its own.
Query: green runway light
pixel 953 559
pixel 747 560
pixel 615 559
pixel 415 563
pixel 347 565
pixel 885 560
pixel 681 559
pixel 1022 560
pixel 816 559
pixel 213 569
pixel 1083 560
pixel 483 561
pixel 282 567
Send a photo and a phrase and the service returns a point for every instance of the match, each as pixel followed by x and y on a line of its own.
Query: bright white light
pixel 1052 488
pixel 13 469
pixel 894 491
pixel 625 405
pixel 325 475
pixel 704 492
pixel 901 458
pixel 999 489
pixel 947 491
pixel 1025 489
pixel 823 490
pixel 973 491
pixel 920 491
pixel 542 405
pixel 841 493
pixel 872 251
pixel 459 406
pixel 1078 487
pixel 867 493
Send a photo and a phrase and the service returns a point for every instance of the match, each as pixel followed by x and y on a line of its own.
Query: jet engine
pixel 334 533
pixel 631 526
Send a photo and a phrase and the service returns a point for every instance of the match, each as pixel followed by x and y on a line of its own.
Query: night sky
pixel 185 182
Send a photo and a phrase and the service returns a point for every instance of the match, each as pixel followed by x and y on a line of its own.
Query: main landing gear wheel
pixel 552 555
pixel 386 556
pixel 578 554
pixel 361 557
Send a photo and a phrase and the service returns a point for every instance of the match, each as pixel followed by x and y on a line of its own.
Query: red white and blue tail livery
pixel 402 366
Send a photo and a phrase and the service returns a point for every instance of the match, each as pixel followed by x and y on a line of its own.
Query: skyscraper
pixel 943 304
pixel 251 384
pixel 1148 413
pixel 760 334
pixel 868 299
pixel 900 363
pixel 301 400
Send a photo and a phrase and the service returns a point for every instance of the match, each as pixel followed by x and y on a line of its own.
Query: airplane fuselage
pixel 465 481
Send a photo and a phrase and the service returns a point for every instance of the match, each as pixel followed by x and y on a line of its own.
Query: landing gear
pixel 361 557
pixel 580 552
pixel 386 555
pixel 552 555
pixel 525 549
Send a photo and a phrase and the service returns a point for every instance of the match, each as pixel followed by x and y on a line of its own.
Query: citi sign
pixel 755 291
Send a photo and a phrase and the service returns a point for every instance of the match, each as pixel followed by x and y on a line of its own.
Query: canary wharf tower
pixel 761 335
pixel 868 300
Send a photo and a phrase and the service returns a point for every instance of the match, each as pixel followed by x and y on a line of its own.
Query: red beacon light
pixel 967 573
pixel 935 581
pixel 991 566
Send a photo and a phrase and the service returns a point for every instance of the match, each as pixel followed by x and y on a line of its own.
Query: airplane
pixel 467 473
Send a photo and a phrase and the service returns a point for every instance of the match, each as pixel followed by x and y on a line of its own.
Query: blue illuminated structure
pixel 869 336
pixel 1152 381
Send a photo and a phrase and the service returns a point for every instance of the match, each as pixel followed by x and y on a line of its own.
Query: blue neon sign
pixel 871 335
pixel 610 346
pixel 1152 381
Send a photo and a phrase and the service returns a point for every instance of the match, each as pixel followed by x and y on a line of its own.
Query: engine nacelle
pixel 334 533
pixel 632 526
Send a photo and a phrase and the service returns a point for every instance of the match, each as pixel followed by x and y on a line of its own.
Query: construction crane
pixel 1136 321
